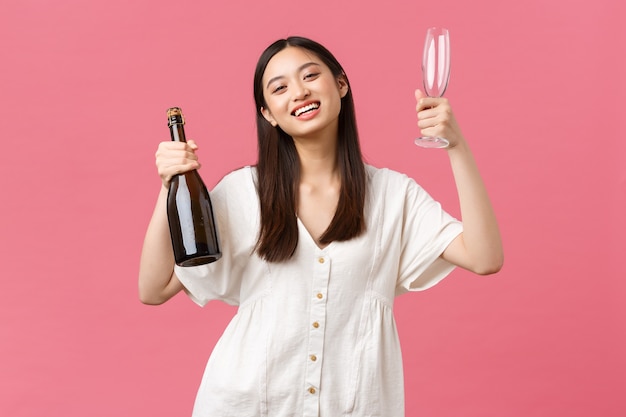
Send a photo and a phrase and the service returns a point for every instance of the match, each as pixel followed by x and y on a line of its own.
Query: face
pixel 302 95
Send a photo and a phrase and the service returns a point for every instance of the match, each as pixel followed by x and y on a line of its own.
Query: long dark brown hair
pixel 278 167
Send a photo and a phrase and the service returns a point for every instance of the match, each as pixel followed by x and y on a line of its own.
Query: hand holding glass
pixel 436 73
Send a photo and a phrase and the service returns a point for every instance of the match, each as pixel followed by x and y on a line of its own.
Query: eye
pixel 278 89
pixel 311 75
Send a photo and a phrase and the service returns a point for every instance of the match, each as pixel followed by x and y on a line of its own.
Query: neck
pixel 318 160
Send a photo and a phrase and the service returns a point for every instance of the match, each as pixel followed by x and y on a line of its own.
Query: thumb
pixel 419 94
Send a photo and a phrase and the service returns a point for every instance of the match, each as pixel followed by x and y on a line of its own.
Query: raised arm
pixel 157 280
pixel 479 247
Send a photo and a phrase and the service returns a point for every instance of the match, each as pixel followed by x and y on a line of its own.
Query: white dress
pixel 315 336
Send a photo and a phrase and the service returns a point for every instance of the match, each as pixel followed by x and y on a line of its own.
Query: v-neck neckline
pixel 310 237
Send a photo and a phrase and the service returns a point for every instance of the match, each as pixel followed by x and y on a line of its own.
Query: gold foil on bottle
pixel 172 112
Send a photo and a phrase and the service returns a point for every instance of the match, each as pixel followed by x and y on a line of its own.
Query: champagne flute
pixel 435 73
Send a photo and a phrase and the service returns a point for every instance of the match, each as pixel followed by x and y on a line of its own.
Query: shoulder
pixel 239 181
pixel 237 187
pixel 239 176
pixel 391 190
pixel 235 202
pixel 385 179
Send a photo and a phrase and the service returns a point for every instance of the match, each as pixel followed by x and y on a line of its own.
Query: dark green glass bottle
pixel 189 211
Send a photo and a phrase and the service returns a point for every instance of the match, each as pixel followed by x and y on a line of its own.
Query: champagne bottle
pixel 189 210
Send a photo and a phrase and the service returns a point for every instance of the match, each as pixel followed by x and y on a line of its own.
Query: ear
pixel 342 84
pixel 268 116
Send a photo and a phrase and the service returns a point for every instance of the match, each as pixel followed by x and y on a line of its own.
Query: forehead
pixel 289 60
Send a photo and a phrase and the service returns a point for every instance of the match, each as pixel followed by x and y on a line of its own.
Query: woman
pixel 316 245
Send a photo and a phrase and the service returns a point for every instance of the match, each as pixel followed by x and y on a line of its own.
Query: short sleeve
pixel 427 230
pixel 235 208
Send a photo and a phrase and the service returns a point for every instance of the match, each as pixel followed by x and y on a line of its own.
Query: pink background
pixel 537 86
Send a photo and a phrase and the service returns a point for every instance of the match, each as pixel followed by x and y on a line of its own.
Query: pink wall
pixel 537 85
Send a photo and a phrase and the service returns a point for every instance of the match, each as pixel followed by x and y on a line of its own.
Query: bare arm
pixel 157 280
pixel 479 247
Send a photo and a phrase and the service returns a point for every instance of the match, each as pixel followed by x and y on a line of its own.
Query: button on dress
pixel 315 336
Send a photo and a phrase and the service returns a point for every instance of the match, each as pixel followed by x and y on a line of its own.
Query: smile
pixel 301 110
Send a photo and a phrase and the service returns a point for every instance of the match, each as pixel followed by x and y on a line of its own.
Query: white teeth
pixel 304 109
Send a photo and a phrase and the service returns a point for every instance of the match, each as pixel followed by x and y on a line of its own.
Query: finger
pixel 419 98
pixel 176 158
pixel 428 102
pixel 429 118
pixel 170 144
pixel 435 107
pixel 167 150
pixel 427 113
pixel 166 172
pixel 181 168
pixel 419 94
pixel 192 144
pixel 426 123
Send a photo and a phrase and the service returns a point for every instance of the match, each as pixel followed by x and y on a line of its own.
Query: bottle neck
pixel 177 132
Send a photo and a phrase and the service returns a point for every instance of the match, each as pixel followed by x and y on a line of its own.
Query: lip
pixel 293 111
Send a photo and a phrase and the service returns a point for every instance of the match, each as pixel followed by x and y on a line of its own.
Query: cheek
pixel 335 95
pixel 337 103
pixel 273 105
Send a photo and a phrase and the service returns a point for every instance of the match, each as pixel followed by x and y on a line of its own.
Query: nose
pixel 300 92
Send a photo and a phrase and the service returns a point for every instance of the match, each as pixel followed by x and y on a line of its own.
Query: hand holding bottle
pixel 173 158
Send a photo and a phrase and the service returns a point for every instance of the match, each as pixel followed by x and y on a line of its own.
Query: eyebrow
pixel 302 67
